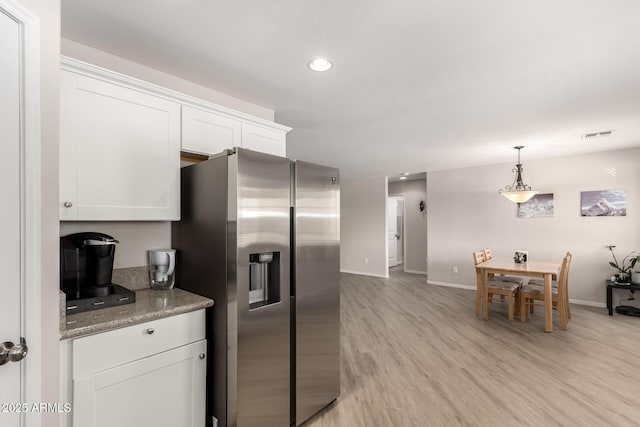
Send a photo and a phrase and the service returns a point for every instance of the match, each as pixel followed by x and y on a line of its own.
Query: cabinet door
pixel 119 152
pixel 164 390
pixel 265 140
pixel 205 132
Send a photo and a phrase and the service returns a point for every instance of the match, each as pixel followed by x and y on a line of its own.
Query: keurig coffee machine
pixel 86 267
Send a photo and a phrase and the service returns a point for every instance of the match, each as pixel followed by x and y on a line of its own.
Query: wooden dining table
pixel 544 270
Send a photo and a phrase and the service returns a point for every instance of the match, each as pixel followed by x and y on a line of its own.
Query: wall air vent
pixel 601 134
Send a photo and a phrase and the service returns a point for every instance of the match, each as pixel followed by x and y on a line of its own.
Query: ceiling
pixel 417 85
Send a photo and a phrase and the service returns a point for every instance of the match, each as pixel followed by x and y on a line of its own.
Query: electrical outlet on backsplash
pixel 134 278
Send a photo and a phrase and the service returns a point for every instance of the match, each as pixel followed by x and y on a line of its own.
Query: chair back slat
pixel 478 257
pixel 487 254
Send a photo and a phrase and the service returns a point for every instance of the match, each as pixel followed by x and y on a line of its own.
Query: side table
pixel 610 286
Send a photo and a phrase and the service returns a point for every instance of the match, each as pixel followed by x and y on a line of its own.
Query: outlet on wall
pixel 366 260
pixel 455 269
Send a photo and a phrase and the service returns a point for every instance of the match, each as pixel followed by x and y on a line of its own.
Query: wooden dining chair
pixel 518 280
pixel 554 284
pixel 497 286
pixel 535 292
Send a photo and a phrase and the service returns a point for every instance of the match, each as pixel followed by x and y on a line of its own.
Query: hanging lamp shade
pixel 518 191
pixel 519 196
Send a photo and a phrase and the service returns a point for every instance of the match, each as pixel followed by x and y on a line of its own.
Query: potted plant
pixel 624 268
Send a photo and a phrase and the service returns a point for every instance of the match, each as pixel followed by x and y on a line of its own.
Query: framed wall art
pixel 603 203
pixel 539 206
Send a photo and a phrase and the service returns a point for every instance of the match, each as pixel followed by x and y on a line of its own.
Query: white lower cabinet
pixel 151 374
pixel 167 389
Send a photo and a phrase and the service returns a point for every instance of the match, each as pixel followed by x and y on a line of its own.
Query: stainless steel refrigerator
pixel 260 235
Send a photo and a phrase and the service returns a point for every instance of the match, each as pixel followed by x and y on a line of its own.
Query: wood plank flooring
pixel 416 355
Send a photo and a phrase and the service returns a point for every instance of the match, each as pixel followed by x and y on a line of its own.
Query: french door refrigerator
pixel 260 235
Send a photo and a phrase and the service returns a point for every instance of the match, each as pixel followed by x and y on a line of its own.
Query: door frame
pixel 30 204
pixel 404 226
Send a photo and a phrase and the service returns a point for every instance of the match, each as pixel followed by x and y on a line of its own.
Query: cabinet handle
pixel 68 204
pixel 150 331
pixel 201 356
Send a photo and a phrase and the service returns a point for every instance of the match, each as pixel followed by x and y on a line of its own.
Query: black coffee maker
pixel 86 268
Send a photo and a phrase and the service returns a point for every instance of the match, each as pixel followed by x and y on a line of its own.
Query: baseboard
pixel 589 303
pixel 451 285
pixel 362 273
pixel 473 288
pixel 416 272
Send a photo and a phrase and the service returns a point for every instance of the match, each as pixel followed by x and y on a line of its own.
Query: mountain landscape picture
pixel 539 206
pixel 603 203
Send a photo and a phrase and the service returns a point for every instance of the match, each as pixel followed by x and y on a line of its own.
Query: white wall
pixel 363 212
pixel 151 75
pixel 415 232
pixel 465 213
pixel 137 237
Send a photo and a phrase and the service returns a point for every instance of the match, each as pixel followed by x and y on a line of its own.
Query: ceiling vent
pixel 597 134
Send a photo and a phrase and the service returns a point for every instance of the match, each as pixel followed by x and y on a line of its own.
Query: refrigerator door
pixel 259 209
pixel 317 288
pixel 201 240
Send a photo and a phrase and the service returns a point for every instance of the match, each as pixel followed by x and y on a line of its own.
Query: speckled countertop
pixel 150 305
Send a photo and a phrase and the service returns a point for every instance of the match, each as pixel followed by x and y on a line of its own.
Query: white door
pixel 392 231
pixel 10 226
pixel 400 229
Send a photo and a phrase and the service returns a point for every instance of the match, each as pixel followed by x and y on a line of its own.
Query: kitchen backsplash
pixel 134 278
pixel 135 238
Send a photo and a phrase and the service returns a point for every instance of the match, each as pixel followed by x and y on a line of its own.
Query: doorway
pixel 410 247
pixel 395 230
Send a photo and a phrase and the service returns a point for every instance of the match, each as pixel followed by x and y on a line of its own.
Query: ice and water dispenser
pixel 264 279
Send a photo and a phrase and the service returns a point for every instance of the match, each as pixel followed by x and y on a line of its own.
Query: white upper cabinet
pixel 265 140
pixel 120 143
pixel 206 132
pixel 210 132
pixel 119 152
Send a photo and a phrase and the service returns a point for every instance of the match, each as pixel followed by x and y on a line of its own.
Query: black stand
pixel 610 286
pixel 115 295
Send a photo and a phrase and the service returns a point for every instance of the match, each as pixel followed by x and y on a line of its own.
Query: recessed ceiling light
pixel 403 177
pixel 320 64
pixel 405 174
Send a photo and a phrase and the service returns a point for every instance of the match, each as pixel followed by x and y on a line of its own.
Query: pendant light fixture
pixel 518 191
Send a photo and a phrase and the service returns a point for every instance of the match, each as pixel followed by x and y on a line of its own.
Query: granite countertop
pixel 150 305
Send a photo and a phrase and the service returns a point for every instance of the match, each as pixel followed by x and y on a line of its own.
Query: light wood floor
pixel 416 355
